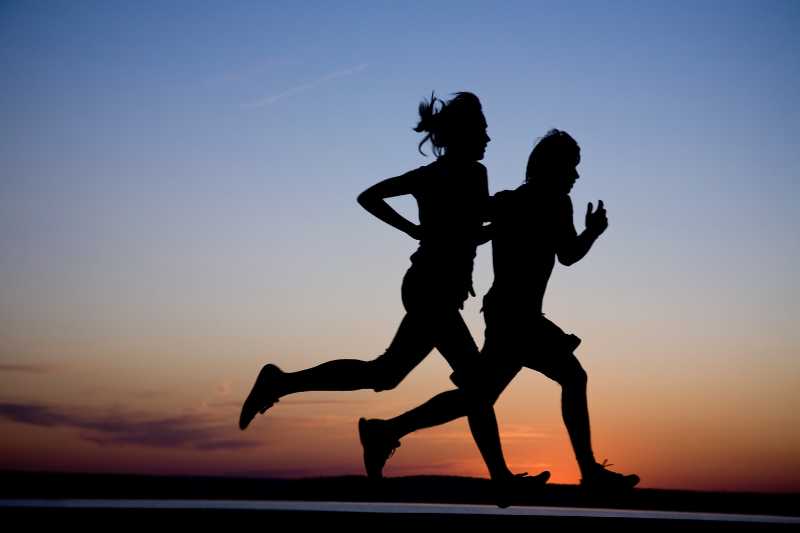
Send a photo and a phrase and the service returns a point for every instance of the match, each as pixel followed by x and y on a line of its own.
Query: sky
pixel 178 186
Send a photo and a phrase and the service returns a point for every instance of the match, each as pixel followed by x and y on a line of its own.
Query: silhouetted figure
pixel 452 195
pixel 531 227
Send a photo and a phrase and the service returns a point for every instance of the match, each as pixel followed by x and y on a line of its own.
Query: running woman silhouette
pixel 452 197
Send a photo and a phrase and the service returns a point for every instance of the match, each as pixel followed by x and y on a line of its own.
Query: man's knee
pixel 478 389
pixel 479 398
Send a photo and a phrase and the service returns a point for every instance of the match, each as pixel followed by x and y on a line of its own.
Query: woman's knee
pixel 574 376
pixel 384 376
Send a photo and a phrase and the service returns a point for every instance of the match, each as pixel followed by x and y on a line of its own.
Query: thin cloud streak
pixel 26 368
pixel 112 428
pixel 306 86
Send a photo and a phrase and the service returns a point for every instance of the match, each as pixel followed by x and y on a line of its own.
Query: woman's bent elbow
pixel 365 199
pixel 566 260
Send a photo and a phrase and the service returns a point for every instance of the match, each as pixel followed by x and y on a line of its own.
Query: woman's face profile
pixel 472 138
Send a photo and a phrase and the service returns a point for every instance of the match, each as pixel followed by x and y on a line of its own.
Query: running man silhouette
pixel 452 196
pixel 531 227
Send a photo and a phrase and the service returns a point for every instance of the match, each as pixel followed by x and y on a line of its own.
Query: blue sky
pixel 183 131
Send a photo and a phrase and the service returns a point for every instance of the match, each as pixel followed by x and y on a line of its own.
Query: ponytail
pixel 428 115
pixel 441 121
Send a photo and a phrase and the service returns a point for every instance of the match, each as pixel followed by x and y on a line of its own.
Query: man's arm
pixel 494 206
pixel 573 247
pixel 486 233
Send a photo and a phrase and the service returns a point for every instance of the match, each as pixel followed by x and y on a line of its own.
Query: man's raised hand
pixel 596 221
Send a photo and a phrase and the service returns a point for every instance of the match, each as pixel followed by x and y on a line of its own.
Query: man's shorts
pixel 516 338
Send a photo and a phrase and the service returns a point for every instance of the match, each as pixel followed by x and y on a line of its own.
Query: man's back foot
pixel 263 395
pixel 601 478
pixel 378 445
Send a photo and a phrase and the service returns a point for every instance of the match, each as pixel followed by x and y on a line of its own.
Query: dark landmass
pixel 46 509
pixel 412 489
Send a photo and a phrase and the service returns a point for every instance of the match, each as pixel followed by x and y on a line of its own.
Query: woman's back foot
pixel 263 395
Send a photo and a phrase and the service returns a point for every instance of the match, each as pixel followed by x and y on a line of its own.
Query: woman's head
pixel 553 161
pixel 456 127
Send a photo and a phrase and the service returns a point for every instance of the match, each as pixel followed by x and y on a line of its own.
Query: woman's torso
pixel 453 203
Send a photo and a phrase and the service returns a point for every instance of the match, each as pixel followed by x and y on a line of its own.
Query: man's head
pixel 553 162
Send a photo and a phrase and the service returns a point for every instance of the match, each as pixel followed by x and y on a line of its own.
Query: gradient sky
pixel 177 207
